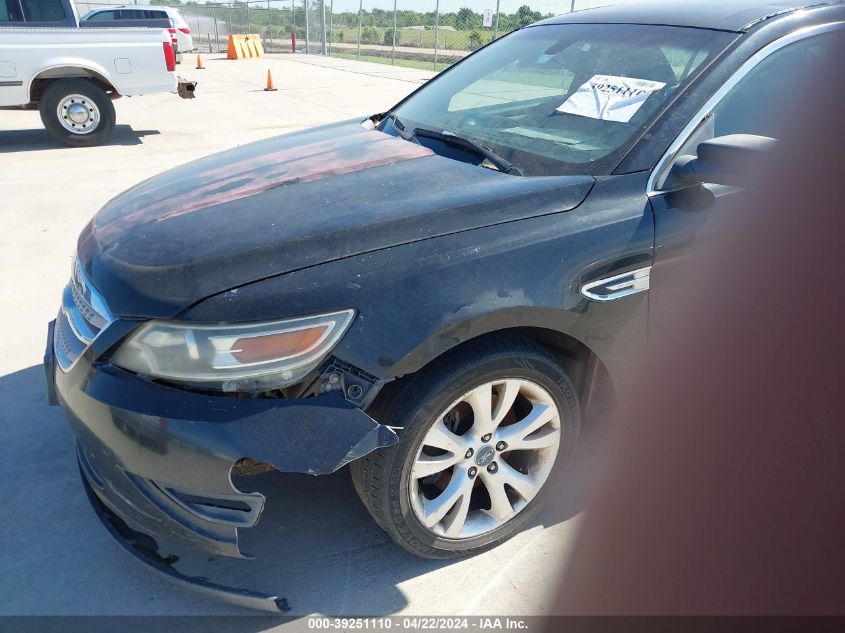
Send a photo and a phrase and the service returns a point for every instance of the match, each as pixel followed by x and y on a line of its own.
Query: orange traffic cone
pixel 270 87
pixel 199 63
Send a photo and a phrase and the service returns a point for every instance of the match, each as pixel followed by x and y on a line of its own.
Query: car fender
pixel 73 67
pixel 417 301
pixel 523 317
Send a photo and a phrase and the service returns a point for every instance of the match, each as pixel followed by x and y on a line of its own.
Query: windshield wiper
pixel 400 128
pixel 453 139
pixel 464 143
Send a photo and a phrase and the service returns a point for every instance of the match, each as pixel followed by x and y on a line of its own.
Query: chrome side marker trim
pixel 618 286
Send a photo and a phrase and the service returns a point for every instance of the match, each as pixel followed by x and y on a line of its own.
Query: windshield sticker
pixel 610 98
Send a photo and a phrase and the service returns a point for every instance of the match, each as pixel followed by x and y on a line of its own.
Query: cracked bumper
pixel 145 550
pixel 160 459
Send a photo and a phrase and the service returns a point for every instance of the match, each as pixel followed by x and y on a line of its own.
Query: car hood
pixel 288 203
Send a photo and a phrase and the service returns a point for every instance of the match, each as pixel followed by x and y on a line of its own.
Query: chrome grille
pixel 85 308
pixel 84 314
pixel 66 345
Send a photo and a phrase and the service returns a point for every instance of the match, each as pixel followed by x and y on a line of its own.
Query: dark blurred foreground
pixel 722 488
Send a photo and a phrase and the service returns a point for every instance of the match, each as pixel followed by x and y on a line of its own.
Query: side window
pixel 10 11
pixel 122 14
pixel 756 104
pixel 43 10
pixel 102 16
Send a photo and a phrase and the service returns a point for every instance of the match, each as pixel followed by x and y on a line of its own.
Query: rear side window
pixel 43 10
pixel 127 14
pixel 102 16
pixel 10 11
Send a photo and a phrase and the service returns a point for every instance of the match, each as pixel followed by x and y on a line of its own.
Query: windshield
pixel 560 98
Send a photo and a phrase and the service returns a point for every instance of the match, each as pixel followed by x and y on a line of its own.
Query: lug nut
pixel 472 472
pixel 486 438
pixel 492 468
pixel 500 446
pixel 469 453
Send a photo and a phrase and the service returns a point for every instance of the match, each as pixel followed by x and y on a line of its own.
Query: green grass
pixel 454 40
pixel 408 63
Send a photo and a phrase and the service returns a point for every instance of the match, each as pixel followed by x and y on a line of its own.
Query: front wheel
pixel 483 432
pixel 77 112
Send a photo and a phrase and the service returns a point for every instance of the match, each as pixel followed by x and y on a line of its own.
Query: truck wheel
pixel 482 433
pixel 77 112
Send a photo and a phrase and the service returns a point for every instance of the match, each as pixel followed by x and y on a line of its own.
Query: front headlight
pixel 274 354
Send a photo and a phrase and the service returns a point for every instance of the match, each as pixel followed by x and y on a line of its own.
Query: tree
pixel 525 16
pixel 370 35
pixel 475 40
pixel 467 19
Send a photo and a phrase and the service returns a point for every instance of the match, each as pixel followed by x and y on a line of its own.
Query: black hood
pixel 291 202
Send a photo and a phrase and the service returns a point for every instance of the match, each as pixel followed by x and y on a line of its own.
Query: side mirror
pixel 722 160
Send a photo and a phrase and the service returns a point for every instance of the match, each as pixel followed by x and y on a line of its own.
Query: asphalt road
pixel 315 544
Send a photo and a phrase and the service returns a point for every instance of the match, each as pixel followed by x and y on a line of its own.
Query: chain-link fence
pixel 428 34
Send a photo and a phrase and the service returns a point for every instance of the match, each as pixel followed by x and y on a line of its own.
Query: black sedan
pixel 436 295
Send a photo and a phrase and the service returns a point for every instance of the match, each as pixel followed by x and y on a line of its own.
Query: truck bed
pixel 129 60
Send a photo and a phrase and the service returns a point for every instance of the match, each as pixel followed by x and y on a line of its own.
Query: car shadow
pixel 315 544
pixel 37 139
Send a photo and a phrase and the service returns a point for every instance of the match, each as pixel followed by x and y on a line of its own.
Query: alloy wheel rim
pixel 78 114
pixel 485 458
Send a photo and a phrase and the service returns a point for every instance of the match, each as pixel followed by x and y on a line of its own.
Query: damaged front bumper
pixel 158 460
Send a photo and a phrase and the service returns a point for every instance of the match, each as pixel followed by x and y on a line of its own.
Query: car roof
pixel 726 15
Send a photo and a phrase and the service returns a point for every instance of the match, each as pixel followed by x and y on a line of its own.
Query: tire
pixel 89 96
pixel 387 480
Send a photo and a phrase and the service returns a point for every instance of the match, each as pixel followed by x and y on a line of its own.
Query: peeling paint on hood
pixel 221 183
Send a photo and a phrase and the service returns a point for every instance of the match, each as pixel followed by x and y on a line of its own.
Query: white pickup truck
pixel 73 74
